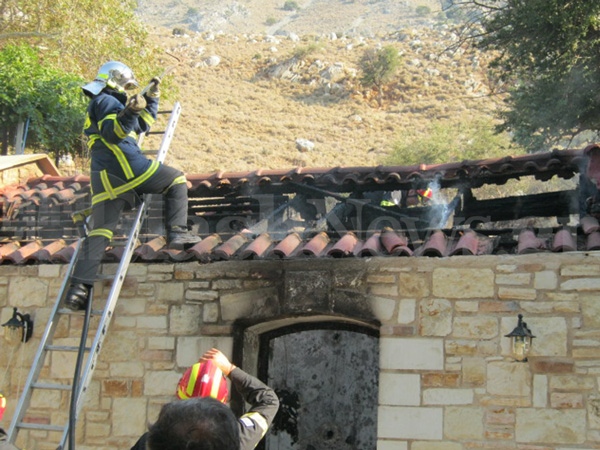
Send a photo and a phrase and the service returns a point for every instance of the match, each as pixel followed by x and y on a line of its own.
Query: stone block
pixel 514 279
pixel 550 426
pixel 590 310
pixel 161 343
pixel 551 365
pixel 438 379
pixel 391 445
pixel 413 286
pixel 258 303
pixel 127 369
pixel 546 279
pixel 474 371
pixel 463 283
pixel 389 290
pixel 204 295
pixel 49 271
pixel 399 389
pixel 572 383
pixel 131 306
pixel 508 378
pixel 561 400
pixel 210 312
pixel 129 416
pixel 162 382
pixel 581 284
pixel 382 308
pixel 115 388
pixel 184 320
pixel 431 445
pixel 411 353
pixel 435 317
pixel 120 346
pixel 169 292
pixel 580 270
pixel 155 323
pixel 466 306
pixel 399 422
pixel 221 284
pixel 463 422
pixel 475 327
pixel 407 311
pixel 27 291
pixel 440 396
pixel 513 293
pixel 540 391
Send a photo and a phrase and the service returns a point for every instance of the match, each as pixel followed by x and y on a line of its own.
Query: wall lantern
pixel 19 328
pixel 521 340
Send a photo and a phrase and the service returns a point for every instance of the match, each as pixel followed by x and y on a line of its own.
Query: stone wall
pixel 447 381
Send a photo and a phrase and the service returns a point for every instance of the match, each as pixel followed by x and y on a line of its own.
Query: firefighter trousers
pixel 105 217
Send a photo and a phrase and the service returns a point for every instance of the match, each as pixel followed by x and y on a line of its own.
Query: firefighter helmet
pixel 203 379
pixel 113 74
pixel 2 405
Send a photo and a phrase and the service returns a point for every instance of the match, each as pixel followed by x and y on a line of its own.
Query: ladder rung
pixel 57 387
pixel 70 312
pixel 65 348
pixel 40 426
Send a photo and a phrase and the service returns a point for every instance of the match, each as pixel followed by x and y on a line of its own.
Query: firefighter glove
pixel 154 90
pixel 136 103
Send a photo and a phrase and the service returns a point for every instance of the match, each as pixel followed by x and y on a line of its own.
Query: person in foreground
pixel 120 172
pixel 201 421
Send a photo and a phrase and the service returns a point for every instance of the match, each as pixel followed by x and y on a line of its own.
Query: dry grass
pixel 234 119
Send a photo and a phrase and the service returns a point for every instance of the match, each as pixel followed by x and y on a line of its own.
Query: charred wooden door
pixel 326 376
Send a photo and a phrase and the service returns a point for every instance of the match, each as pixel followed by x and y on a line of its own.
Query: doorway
pixel 326 376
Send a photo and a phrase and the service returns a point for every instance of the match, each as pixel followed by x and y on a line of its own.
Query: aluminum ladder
pixel 81 380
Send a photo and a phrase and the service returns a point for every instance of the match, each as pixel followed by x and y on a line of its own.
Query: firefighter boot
pixel 77 297
pixel 179 238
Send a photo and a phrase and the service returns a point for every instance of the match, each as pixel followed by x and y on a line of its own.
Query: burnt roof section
pixel 330 213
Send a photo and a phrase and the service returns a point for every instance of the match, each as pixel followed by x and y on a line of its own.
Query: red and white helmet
pixel 2 405
pixel 203 379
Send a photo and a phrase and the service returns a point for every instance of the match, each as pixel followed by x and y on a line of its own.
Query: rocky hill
pixel 290 95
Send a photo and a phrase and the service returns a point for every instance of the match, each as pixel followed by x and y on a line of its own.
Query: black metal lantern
pixel 520 338
pixel 19 328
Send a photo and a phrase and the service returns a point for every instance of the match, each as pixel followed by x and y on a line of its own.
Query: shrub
pixel 378 66
pixel 423 10
pixel 270 21
pixel 303 52
pixel 291 5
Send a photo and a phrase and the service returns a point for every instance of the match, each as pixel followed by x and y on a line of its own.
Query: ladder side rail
pixel 37 365
pixel 169 131
pixel 104 323
pixel 115 290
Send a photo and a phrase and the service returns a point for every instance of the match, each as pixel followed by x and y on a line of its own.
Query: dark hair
pixel 200 423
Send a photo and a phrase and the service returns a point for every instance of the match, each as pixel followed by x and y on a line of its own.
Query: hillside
pixel 248 97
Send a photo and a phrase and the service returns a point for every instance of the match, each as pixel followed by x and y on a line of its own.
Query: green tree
pixel 79 35
pixel 49 98
pixel 549 58
pixel 378 66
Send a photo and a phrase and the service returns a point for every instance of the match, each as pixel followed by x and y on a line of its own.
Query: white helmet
pixel 113 74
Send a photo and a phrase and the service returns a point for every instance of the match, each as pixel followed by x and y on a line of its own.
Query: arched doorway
pixel 326 376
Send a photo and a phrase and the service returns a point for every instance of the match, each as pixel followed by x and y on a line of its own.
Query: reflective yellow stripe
pixel 101 232
pixel 120 157
pixel 106 184
pixel 147 117
pixel 116 125
pixel 193 380
pixel 93 138
pixel 127 186
pixel 259 420
pixel 214 390
pixel 387 203
pixel 179 180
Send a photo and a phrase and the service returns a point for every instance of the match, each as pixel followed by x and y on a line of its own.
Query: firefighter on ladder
pixel 120 172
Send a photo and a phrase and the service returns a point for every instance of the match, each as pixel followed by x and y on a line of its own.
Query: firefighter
pixel 205 380
pixel 120 172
